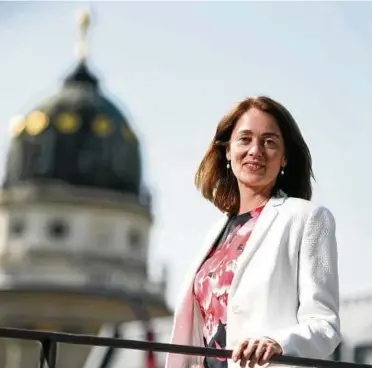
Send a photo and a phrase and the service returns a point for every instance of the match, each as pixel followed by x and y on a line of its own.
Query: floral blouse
pixel 213 281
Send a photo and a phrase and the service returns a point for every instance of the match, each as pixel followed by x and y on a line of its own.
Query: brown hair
pixel 219 185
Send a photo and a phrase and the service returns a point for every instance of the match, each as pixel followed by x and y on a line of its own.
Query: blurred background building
pixel 75 223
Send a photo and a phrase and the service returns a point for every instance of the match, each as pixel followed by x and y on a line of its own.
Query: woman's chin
pixel 253 182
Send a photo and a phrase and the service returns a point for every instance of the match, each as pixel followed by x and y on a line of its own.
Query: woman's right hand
pixel 256 351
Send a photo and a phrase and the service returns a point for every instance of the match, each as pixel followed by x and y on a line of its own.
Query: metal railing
pixel 49 342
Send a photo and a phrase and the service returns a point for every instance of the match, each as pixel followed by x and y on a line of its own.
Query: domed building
pixel 75 222
pixel 76 137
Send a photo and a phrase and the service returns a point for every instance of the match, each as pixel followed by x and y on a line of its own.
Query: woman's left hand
pixel 256 351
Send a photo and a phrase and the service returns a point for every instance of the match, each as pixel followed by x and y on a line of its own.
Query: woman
pixel 266 280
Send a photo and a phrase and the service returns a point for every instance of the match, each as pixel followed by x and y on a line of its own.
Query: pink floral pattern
pixel 214 278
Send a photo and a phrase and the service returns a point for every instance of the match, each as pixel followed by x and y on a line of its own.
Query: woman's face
pixel 256 151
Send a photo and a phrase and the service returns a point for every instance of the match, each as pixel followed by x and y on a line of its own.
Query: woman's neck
pixel 251 199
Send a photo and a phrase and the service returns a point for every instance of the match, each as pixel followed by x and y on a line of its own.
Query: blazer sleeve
pixel 317 333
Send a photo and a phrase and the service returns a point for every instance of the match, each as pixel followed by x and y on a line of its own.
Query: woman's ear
pixel 284 162
pixel 228 154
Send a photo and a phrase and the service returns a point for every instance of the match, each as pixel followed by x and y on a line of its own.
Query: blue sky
pixel 178 67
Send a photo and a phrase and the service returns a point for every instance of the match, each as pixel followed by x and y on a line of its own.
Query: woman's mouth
pixel 252 166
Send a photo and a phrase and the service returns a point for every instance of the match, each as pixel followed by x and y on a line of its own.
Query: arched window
pixel 57 229
pixel 17 226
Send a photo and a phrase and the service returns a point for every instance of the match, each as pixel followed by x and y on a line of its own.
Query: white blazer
pixel 285 285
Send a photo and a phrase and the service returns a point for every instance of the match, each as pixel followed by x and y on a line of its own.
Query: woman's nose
pixel 255 149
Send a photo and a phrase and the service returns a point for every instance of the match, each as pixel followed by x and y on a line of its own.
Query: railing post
pixel 48 354
pixel 107 359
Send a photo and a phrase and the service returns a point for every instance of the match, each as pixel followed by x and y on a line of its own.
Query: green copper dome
pixel 77 137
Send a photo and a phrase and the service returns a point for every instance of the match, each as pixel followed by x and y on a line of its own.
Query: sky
pixel 176 68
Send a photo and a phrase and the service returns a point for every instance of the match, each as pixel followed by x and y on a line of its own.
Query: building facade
pixel 75 219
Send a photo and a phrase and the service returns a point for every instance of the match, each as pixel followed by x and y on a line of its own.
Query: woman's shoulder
pixel 299 204
pixel 305 208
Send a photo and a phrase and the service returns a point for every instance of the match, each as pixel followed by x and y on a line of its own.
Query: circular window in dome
pixel 128 133
pixel 58 229
pixel 36 122
pixel 17 125
pixel 102 126
pixel 67 123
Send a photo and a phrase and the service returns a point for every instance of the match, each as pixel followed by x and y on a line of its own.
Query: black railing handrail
pixel 50 339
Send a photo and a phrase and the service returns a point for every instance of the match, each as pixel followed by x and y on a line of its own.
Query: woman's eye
pixel 244 139
pixel 270 142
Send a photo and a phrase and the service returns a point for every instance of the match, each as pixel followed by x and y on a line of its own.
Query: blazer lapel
pixel 186 326
pixel 210 240
pixel 188 285
pixel 260 229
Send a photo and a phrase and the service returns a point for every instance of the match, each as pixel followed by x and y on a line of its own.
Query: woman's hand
pixel 256 351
